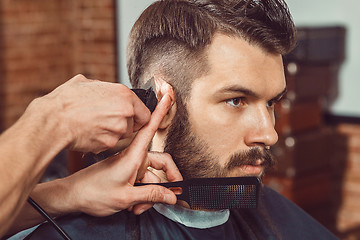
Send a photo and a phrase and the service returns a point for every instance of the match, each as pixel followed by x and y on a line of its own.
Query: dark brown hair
pixel 171 35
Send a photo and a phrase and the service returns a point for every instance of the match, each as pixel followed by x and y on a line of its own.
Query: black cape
pixel 275 218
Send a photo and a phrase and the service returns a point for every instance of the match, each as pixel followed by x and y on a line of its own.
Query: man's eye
pixel 235 102
pixel 271 104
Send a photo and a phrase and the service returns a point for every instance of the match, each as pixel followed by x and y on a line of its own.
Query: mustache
pixel 250 157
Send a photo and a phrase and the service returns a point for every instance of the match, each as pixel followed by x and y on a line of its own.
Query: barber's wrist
pixel 54 197
pixel 43 127
pixel 49 112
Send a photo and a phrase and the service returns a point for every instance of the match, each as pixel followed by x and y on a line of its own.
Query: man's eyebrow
pixel 238 89
pixel 248 92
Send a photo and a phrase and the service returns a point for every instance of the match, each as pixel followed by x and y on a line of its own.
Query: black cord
pixel 48 218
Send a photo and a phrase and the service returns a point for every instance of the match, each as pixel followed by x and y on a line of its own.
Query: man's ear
pixel 162 88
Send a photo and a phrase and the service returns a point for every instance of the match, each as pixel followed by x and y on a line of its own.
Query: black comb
pixel 217 193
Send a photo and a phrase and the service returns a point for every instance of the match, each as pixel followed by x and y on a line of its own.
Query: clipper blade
pixel 147 94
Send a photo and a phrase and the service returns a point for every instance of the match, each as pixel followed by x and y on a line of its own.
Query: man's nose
pixel 262 130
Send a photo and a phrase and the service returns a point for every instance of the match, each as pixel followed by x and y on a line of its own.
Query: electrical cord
pixel 48 218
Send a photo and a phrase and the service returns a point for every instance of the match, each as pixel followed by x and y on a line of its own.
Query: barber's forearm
pixel 26 149
pixel 53 197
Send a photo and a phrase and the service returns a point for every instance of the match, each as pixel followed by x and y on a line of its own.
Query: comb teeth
pixel 222 197
pixel 217 193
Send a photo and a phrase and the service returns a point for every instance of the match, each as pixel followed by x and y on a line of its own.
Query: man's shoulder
pixel 282 217
pixel 125 225
pixel 275 218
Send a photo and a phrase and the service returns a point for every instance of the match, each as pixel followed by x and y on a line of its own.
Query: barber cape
pixel 275 218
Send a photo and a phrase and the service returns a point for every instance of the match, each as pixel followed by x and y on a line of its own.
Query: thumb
pixel 153 194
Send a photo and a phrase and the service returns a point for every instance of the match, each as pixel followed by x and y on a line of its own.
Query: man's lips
pixel 258 162
pixel 254 169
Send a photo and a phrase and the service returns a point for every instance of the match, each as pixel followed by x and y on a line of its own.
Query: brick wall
pixel 346 164
pixel 96 39
pixel 44 43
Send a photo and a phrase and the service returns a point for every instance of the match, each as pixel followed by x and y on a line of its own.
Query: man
pixel 223 61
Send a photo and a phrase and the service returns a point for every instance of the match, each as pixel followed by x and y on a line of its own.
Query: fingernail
pixel 165 98
pixel 141 211
pixel 165 88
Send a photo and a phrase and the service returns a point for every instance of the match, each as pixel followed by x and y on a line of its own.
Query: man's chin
pixel 247 171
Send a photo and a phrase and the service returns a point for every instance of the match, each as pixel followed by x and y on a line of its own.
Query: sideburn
pixel 189 154
pixel 193 157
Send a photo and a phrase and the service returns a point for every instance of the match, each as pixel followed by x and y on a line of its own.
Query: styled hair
pixel 171 36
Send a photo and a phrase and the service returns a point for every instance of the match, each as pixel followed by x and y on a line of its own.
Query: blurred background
pixel 45 43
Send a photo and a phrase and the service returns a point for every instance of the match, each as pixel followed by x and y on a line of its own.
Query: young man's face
pixel 230 113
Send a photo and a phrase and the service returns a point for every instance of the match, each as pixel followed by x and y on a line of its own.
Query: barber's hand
pixel 107 186
pixel 96 114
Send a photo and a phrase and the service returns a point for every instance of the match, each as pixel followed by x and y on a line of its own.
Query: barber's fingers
pixel 130 128
pixel 153 193
pixel 143 138
pixel 149 177
pixel 140 208
pixel 158 161
pixel 135 108
pixel 141 114
pixel 164 162
pixel 150 194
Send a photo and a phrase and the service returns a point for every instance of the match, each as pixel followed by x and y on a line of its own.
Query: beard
pixel 193 156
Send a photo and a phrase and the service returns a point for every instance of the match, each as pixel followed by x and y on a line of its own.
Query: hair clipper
pixel 148 97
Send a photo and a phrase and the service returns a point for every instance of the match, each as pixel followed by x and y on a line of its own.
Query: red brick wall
pixel 96 39
pixel 44 43
pixel 346 161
